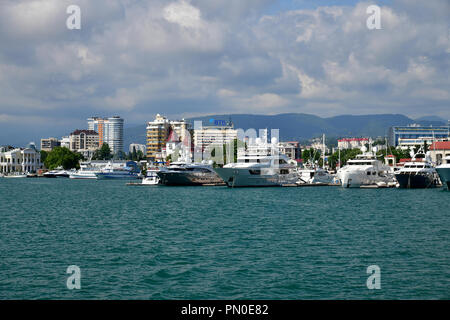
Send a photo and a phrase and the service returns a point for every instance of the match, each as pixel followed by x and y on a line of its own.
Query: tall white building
pixel 110 131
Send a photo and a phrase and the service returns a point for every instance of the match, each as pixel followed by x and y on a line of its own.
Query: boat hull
pixel 79 176
pixel 444 175
pixel 110 176
pixel 169 178
pixel 415 181
pixel 239 177
pixel 356 179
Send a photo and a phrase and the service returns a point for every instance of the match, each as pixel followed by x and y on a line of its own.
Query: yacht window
pixel 368 173
pixel 281 161
pixel 284 171
pixel 255 172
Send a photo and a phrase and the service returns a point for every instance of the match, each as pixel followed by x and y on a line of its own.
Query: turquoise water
pixel 219 243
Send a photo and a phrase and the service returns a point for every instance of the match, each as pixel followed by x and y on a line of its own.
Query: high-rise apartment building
pixel 157 134
pixel 110 131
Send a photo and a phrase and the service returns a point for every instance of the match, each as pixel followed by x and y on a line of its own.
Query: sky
pixel 186 58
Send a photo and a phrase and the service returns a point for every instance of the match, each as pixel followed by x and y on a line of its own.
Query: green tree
pixel 140 155
pixel 62 157
pixel 44 155
pixel 310 155
pixel 104 153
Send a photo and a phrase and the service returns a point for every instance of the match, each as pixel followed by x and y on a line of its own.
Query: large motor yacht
pixel 365 169
pixel 112 171
pixel 189 174
pixel 417 173
pixel 444 172
pixel 260 165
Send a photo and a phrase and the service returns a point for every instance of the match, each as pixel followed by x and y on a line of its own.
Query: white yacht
pixel 261 165
pixel 444 172
pixel 84 173
pixel 268 171
pixel 418 173
pixel 365 170
pixel 315 174
pixel 117 172
pixel 152 177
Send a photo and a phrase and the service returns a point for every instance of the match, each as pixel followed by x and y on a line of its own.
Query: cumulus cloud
pixel 191 57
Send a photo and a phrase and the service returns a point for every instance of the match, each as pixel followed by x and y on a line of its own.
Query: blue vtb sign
pixel 218 122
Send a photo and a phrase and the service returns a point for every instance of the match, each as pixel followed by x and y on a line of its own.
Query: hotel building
pixel 110 131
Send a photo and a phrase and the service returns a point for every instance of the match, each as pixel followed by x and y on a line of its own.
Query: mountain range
pixel 300 126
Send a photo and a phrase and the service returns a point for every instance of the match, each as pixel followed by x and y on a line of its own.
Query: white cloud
pixel 202 57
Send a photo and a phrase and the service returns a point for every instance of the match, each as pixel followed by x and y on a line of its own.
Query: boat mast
pixel 323 151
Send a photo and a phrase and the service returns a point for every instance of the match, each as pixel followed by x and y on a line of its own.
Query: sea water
pixel 158 242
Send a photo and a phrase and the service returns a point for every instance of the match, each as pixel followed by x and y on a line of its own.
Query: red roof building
pixel 440 145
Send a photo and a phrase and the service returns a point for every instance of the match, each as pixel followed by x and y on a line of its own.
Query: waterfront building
pixel 110 131
pixel 19 160
pixel 416 134
pixel 49 144
pixel 439 150
pixel 353 143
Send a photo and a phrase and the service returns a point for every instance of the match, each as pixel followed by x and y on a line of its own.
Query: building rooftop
pixel 90 132
pixel 440 145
